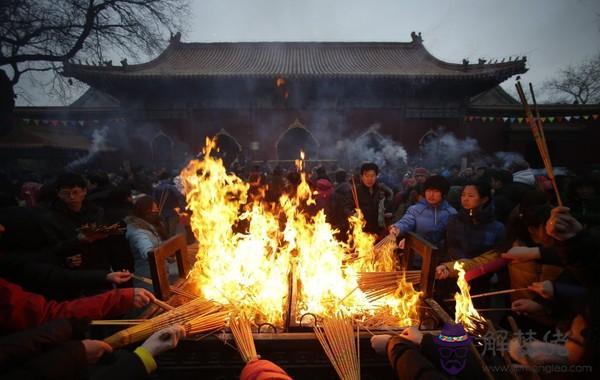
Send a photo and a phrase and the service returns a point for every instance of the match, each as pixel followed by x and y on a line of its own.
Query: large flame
pixel 465 312
pixel 250 255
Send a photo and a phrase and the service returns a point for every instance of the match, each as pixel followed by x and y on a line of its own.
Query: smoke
pixel 443 149
pixel 99 143
pixel 371 146
pixel 506 159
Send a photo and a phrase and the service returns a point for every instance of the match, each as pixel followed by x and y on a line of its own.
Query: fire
pixel 465 312
pixel 250 255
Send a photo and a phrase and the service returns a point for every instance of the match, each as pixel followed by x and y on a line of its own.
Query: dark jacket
pixel 341 206
pixel 50 351
pixel 368 200
pixel 47 279
pixel 114 200
pixel 503 205
pixel 63 225
pixel 55 351
pixel 471 233
pixel 586 211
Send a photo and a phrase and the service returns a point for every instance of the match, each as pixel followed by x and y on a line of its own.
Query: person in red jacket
pixel 21 310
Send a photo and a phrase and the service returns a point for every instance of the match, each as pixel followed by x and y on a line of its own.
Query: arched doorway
pixel 162 150
pixel 428 138
pixel 229 148
pixel 295 139
pixel 372 140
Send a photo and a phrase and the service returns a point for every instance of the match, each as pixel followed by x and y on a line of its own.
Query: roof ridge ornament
pixel 296 124
pixel 175 38
pixel 416 38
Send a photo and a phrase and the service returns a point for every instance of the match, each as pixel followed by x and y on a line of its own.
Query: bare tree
pixel 577 84
pixel 40 35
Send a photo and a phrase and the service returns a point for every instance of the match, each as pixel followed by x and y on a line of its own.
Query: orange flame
pixel 252 269
pixel 465 312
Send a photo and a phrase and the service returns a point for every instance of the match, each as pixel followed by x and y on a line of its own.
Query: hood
pixel 140 223
pixel 524 176
pixel 324 185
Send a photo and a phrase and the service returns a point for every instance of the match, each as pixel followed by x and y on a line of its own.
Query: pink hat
pixel 421 171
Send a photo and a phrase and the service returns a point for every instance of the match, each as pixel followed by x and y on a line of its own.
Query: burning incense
pixel 380 284
pixel 387 245
pixel 336 336
pixel 210 321
pixel 535 123
pixel 242 334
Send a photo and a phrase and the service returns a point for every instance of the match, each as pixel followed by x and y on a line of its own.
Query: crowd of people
pixel 69 245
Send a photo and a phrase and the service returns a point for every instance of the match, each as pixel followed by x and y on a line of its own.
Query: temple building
pixel 268 100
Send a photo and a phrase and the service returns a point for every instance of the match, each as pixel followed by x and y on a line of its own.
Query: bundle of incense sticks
pixel 376 285
pixel 385 245
pixel 341 345
pixel 242 334
pixel 179 315
pixel 213 319
pixel 163 199
pixel 535 123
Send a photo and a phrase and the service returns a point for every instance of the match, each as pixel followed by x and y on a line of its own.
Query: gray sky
pixel 551 33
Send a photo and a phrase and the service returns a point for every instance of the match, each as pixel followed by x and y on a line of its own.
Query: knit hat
pixel 437 182
pixel 421 171
pixel 263 370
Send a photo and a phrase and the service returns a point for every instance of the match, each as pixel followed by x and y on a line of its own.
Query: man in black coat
pixel 370 195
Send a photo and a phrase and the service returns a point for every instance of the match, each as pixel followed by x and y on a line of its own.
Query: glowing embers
pixel 264 260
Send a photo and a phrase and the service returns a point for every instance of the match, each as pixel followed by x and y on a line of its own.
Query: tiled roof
pixel 297 59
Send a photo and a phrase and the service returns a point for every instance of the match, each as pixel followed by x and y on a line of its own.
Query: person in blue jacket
pixel 429 216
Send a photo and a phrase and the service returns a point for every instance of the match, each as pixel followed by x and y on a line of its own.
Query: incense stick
pixel 143 279
pixel 163 305
pixel 538 134
pixel 355 194
pixel 163 200
pixel 494 309
pixel 116 322
pixel 488 294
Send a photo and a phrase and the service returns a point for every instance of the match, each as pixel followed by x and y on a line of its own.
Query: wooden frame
pixel 174 247
pixel 414 243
